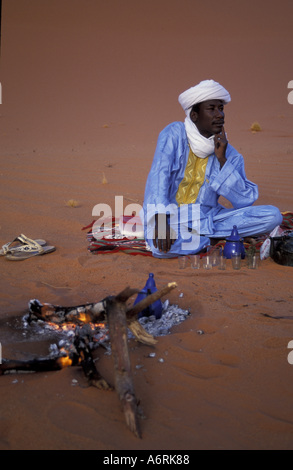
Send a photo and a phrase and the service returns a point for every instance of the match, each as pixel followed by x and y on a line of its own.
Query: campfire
pixel 84 328
pixel 65 320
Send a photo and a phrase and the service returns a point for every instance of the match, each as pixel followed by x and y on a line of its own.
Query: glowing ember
pixel 65 361
pixel 70 327
pixel 64 329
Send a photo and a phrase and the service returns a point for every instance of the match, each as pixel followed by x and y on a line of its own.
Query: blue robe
pixel 212 219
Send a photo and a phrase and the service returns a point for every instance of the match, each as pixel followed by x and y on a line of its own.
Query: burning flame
pixel 64 362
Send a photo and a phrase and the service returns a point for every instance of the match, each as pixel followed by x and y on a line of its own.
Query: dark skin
pixel 209 118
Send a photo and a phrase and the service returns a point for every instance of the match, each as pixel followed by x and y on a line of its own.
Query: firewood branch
pixel 116 313
pixel 147 301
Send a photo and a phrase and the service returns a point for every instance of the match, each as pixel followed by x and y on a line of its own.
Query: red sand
pixel 87 87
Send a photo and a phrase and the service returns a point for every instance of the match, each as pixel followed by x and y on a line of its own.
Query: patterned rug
pixel 113 241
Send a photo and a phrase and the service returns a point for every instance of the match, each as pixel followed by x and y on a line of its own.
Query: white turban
pixel 205 90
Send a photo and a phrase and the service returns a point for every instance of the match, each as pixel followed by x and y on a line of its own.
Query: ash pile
pixel 172 315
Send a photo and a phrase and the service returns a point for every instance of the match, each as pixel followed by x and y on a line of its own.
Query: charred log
pixel 35 365
pixel 56 314
pixel 82 343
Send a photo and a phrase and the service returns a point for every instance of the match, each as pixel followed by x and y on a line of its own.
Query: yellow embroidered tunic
pixel 193 179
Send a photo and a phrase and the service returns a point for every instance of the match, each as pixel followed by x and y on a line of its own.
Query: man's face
pixel 210 117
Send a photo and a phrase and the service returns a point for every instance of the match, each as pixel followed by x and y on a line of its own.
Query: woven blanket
pixel 113 241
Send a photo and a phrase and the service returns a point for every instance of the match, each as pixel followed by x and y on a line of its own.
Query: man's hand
pixel 221 143
pixel 164 235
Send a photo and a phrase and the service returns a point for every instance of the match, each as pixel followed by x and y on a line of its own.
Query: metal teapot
pixel 156 308
pixel 234 244
pixel 281 250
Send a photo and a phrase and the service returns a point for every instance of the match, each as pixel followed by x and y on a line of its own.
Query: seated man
pixel 193 166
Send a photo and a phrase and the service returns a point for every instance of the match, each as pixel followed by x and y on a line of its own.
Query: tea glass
pixel 222 262
pixel 182 261
pixel 236 260
pixel 252 261
pixel 207 262
pixel 216 252
pixel 195 261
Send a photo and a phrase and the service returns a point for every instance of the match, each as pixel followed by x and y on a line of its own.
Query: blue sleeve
pixel 231 183
pixel 158 186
